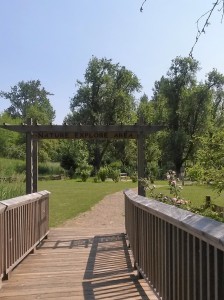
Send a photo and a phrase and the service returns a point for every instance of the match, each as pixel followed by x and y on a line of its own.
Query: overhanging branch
pixel 207 16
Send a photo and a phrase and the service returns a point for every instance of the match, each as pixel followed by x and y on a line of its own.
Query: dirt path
pixel 106 215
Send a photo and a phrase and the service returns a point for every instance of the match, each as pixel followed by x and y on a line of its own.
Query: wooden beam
pixel 116 129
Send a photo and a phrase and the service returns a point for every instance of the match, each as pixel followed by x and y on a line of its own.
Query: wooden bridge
pixel 84 259
pixel 180 255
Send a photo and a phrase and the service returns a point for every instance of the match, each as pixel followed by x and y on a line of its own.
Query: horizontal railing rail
pixel 24 223
pixel 179 253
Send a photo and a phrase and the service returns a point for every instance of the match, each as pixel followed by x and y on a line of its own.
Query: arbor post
pixel 141 163
pixel 35 165
pixel 29 160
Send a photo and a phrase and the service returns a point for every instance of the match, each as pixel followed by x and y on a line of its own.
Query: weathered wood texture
pixel 179 252
pixel 2 237
pixel 24 223
pixel 78 263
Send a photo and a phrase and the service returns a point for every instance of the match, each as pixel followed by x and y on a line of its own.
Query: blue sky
pixel 53 41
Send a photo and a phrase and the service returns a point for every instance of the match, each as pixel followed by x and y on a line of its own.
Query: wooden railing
pixel 179 253
pixel 24 222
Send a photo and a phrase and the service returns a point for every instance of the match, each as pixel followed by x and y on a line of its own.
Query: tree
pixel 29 99
pixel 105 97
pixel 72 154
pixel 215 83
pixel 185 107
pixel 210 158
pixel 11 145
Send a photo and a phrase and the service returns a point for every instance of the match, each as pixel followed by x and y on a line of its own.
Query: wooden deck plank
pixel 67 266
pixel 85 260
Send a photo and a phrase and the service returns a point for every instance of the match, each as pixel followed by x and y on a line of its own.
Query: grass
pixel 9 167
pixel 70 197
pixel 195 193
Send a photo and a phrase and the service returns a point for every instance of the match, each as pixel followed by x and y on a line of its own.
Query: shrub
pixel 103 173
pixel 84 175
pixel 114 175
pixel 134 177
pixel 195 173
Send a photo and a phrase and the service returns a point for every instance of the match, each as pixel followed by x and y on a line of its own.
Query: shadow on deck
pixel 67 266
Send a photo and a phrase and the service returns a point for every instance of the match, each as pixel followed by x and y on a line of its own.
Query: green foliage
pixel 195 193
pixel 70 197
pixel 12 189
pixel 84 171
pixel 50 168
pixel 206 212
pixel 134 177
pixel 105 97
pixel 196 173
pixel 114 174
pixel 185 107
pixel 175 189
pixel 10 167
pixel 114 170
pixel 148 186
pixel 29 100
pixel 103 174
pixel 210 158
pixel 72 154
pixel 11 144
pixel 84 174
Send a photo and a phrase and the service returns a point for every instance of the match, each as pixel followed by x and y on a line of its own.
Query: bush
pixel 84 175
pixel 195 173
pixel 134 177
pixel 114 175
pixel 103 173
pixel 50 169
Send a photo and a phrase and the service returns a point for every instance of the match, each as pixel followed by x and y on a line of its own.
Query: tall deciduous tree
pixel 29 99
pixel 106 96
pixel 185 107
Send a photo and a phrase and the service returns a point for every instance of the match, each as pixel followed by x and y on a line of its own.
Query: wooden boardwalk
pixel 79 262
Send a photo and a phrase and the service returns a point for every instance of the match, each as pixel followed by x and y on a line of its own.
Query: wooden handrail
pixel 180 254
pixel 24 222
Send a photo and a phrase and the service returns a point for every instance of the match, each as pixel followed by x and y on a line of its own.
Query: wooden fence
pixel 179 253
pixel 24 222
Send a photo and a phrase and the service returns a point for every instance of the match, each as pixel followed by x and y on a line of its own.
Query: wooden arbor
pixel 35 132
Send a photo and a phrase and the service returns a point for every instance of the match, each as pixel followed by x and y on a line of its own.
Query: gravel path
pixel 107 215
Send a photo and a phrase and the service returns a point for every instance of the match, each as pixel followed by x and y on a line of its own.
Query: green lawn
pixel 195 193
pixel 69 197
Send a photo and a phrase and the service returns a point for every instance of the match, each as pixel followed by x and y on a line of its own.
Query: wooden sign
pixel 89 135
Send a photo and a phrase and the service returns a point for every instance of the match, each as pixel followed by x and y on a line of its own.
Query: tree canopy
pixel 29 99
pixel 106 96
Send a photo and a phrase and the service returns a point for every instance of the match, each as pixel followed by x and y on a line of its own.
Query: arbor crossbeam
pixel 36 132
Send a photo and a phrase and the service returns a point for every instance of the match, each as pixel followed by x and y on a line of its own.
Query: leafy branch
pixel 206 16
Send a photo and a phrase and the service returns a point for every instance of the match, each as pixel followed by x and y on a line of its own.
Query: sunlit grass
pixel 195 193
pixel 71 197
